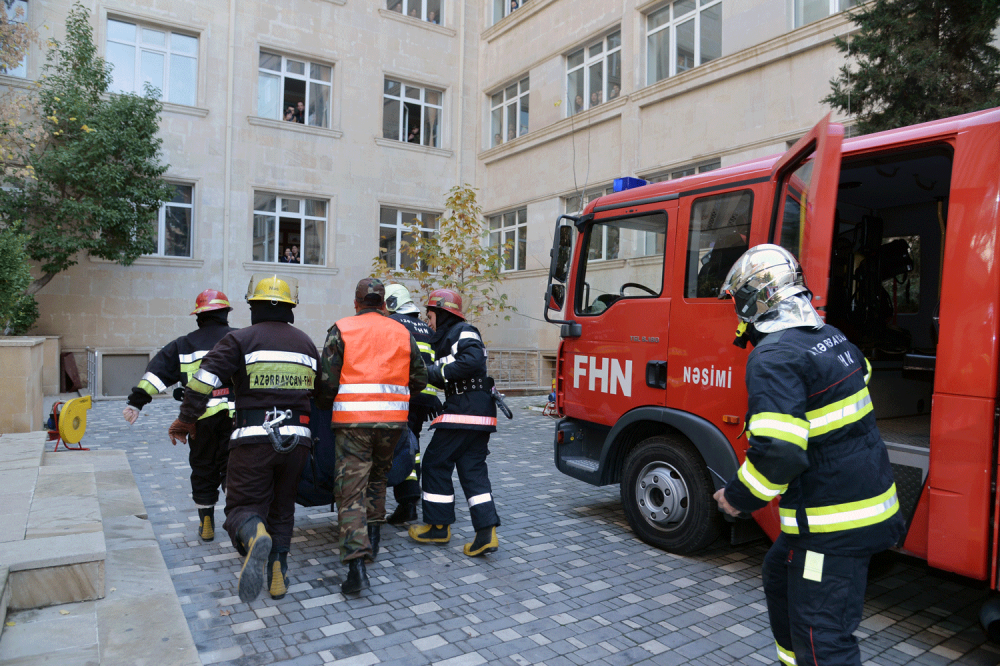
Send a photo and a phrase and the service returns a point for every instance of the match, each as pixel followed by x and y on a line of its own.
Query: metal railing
pixel 522 368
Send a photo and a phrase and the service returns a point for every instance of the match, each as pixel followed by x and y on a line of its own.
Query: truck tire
pixel 667 495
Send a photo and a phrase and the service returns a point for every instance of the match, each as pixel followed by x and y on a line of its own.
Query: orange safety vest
pixel 375 377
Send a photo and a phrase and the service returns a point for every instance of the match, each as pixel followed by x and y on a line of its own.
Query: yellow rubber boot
pixel 206 524
pixel 277 579
pixel 430 533
pixel 485 542
pixel 257 543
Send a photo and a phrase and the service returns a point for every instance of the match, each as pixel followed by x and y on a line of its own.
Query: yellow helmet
pixel 273 288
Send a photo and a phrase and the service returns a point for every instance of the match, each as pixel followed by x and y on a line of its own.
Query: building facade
pixel 330 126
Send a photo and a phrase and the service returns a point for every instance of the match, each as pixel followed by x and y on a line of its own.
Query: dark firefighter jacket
pixel 460 369
pixel 332 363
pixel 813 440
pixel 270 365
pixel 422 333
pixel 177 362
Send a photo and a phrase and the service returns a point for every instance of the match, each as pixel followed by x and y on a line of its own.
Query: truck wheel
pixel 667 495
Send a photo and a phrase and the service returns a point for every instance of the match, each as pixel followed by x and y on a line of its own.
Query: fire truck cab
pixel 898 237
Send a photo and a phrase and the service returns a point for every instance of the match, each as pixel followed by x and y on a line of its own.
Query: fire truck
pixel 898 237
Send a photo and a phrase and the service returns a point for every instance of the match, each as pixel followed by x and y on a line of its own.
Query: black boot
pixel 406 512
pixel 256 543
pixel 374 536
pixel 485 542
pixel 357 577
pixel 206 524
pixel 277 570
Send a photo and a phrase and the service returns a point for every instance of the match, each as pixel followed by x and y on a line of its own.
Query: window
pixel 173 224
pixel 603 286
pixel 502 8
pixel 594 74
pixel 509 112
pixel 17 12
pixel 692 27
pixel 807 11
pixel 600 245
pixel 718 236
pixel 425 10
pixel 411 114
pixel 293 90
pixel 685 171
pixel 289 230
pixel 511 228
pixel 166 60
pixel 395 228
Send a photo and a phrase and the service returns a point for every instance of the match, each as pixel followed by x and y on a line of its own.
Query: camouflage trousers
pixel 364 458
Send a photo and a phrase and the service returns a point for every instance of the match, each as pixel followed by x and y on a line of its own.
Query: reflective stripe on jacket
pixel 461 354
pixel 375 376
pixel 814 442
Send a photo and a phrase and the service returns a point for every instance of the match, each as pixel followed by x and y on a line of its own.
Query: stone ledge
pixel 53 551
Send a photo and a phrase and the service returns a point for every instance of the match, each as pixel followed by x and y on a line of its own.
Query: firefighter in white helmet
pixel 271 366
pixel 814 442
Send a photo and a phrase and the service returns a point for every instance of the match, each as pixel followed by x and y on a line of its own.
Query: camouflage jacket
pixel 332 360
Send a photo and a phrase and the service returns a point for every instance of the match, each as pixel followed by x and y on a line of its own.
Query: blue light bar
pixel 628 183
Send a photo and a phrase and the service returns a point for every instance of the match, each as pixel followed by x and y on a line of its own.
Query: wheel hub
pixel 662 495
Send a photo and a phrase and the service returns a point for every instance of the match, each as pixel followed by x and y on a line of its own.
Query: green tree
pixel 85 174
pixel 18 311
pixel 918 60
pixel 457 257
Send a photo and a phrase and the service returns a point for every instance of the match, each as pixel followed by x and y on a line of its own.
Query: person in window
pixel 513 6
pixel 578 104
pixel 497 139
pixel 300 112
pixel 413 13
pixel 286 258
pixel 616 90
pixel 511 134
pixel 595 99
pixel 396 6
pixel 290 114
pixel 414 135
pixel 295 255
pixel 432 17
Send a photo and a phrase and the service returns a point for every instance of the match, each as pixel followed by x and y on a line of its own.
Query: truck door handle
pixel 656 374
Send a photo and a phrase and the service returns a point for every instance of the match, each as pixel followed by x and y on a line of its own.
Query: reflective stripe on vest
pixel 204 382
pixel 152 384
pixel 780 426
pixel 840 517
pixel 758 484
pixel 216 406
pixel 258 431
pixel 786 657
pixel 271 369
pixel 425 348
pixel 465 420
pixel 191 362
pixel 375 376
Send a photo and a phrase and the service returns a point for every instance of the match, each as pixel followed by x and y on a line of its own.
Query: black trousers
pixel 262 483
pixel 208 455
pixel 813 621
pixel 409 490
pixel 466 450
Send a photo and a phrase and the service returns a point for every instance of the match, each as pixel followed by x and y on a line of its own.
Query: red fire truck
pixel 898 236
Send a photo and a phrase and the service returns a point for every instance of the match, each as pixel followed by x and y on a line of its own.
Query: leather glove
pixel 181 431
pixel 130 414
pixel 433 411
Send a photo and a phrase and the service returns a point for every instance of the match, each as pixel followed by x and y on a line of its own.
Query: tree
pixel 18 311
pixel 918 60
pixel 84 174
pixel 456 257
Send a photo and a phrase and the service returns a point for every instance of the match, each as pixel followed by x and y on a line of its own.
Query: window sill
pixel 648 260
pixel 292 269
pixel 514 19
pixel 150 260
pixel 336 2
pixel 427 150
pixel 532 273
pixel 605 265
pixel 16 82
pixel 294 127
pixel 409 20
pixel 185 110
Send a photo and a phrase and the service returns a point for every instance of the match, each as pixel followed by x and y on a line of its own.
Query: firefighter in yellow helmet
pixel 271 367
pixel 178 361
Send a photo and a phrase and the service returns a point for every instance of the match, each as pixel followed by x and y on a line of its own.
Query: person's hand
pixel 180 431
pixel 434 410
pixel 130 414
pixel 720 497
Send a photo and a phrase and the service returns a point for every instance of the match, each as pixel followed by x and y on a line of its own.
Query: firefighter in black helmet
pixel 814 442
pixel 208 452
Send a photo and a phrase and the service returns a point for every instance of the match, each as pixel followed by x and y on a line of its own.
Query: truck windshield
pixel 623 259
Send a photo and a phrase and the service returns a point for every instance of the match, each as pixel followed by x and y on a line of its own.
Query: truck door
pixel 805 181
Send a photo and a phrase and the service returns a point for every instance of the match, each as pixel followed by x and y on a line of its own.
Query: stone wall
pixel 21 364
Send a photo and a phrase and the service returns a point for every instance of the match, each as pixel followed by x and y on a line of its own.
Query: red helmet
pixel 210 299
pixel 448 300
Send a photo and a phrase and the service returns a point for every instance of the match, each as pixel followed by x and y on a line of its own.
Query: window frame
pixel 505 9
pixel 587 62
pixel 167 51
pixel 670 26
pixel 161 223
pixel 683 172
pixel 521 110
pixel 585 198
pixel 278 214
pixel 832 7
pixel 424 105
pixel 405 8
pixel 704 254
pixel 282 74
pixel 401 229
pixel 20 71
pixel 519 228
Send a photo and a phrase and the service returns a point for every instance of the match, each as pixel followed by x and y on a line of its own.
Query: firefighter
pixel 178 362
pixel 813 440
pixel 423 406
pixel 272 368
pixel 461 433
pixel 370 367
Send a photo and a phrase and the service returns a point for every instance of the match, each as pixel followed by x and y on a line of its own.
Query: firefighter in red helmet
pixel 461 433
pixel 177 362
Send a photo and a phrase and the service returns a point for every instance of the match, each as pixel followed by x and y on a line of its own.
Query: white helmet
pixel 397 299
pixel 764 277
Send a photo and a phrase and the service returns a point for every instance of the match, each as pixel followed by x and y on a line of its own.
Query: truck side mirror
pixel 557 297
pixel 565 252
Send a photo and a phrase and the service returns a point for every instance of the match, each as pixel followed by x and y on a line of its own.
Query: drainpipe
pixel 227 196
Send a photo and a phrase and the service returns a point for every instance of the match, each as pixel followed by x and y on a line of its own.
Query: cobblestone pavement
pixel 569 585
